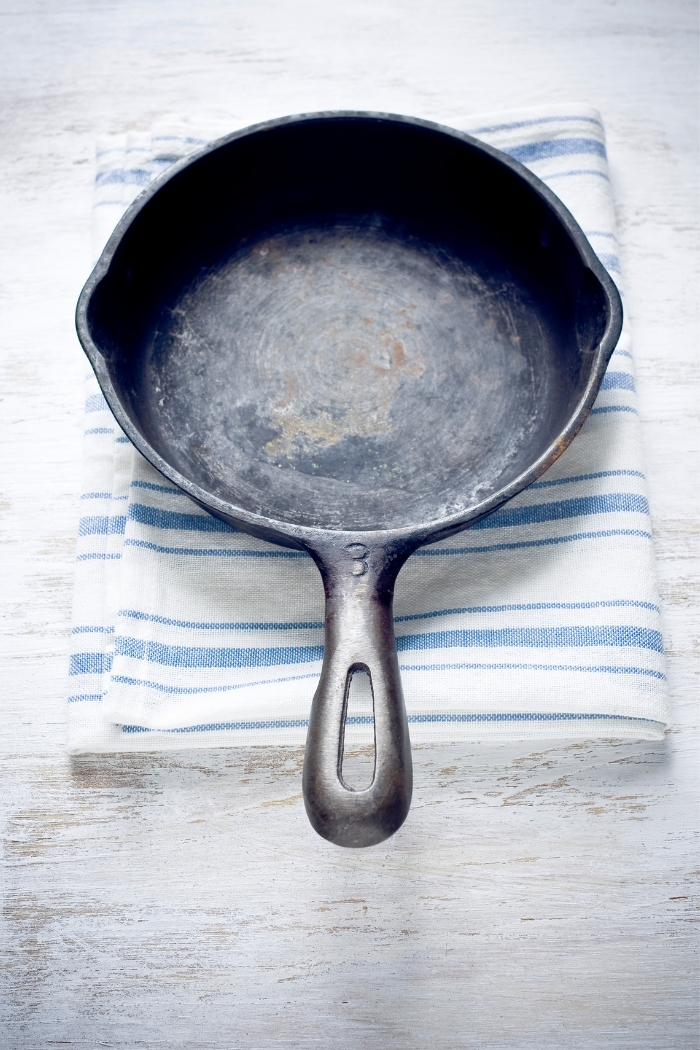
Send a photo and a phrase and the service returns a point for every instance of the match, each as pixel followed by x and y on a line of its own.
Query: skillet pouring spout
pixel 358 578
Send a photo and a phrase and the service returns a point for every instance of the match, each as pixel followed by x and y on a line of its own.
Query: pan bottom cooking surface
pixel 350 376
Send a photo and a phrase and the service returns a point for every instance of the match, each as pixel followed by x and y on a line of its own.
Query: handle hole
pixel 358 751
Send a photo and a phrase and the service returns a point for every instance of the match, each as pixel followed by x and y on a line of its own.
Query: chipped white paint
pixel 536 897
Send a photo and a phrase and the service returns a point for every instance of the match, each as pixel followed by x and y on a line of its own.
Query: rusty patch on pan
pixel 372 366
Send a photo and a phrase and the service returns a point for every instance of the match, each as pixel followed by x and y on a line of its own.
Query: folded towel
pixel 540 621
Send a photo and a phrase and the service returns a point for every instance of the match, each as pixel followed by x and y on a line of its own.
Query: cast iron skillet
pixel 352 334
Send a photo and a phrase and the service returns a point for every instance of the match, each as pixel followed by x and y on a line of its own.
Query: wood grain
pixel 537 896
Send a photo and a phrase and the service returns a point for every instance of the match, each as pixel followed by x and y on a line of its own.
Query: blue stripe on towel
pixel 583 506
pixel 95 403
pixel 437 552
pixel 507 716
pixel 281 723
pixel 626 636
pixel 217 552
pixel 609 261
pixel 612 503
pixel 102 525
pixel 112 204
pixel 179 138
pixel 123 176
pixel 90 663
pixel 200 656
pixel 170 519
pixel 531 607
pixel 133 614
pixel 618 381
pixel 98 556
pixel 527 716
pixel 586 668
pixel 425 552
pixel 181 690
pixel 575 171
pixel 157 488
pixel 308 625
pixel 531 152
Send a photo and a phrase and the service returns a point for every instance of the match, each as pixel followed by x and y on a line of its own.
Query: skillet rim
pixel 305 536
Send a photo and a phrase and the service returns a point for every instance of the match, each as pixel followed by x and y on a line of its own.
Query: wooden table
pixel 538 896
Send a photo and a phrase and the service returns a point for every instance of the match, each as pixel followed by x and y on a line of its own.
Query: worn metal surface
pixel 355 334
pixel 350 376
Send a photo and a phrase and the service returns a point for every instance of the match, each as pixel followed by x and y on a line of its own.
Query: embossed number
pixel 359 554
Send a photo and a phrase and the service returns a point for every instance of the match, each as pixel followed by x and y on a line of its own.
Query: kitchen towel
pixel 541 621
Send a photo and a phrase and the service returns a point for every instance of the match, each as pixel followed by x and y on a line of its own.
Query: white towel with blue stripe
pixel 542 621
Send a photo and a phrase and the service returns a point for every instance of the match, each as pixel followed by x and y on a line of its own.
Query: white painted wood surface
pixel 536 897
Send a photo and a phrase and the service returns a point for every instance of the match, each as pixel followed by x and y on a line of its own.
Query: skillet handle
pixel 359 635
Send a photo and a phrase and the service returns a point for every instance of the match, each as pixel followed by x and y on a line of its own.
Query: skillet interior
pixel 348 323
